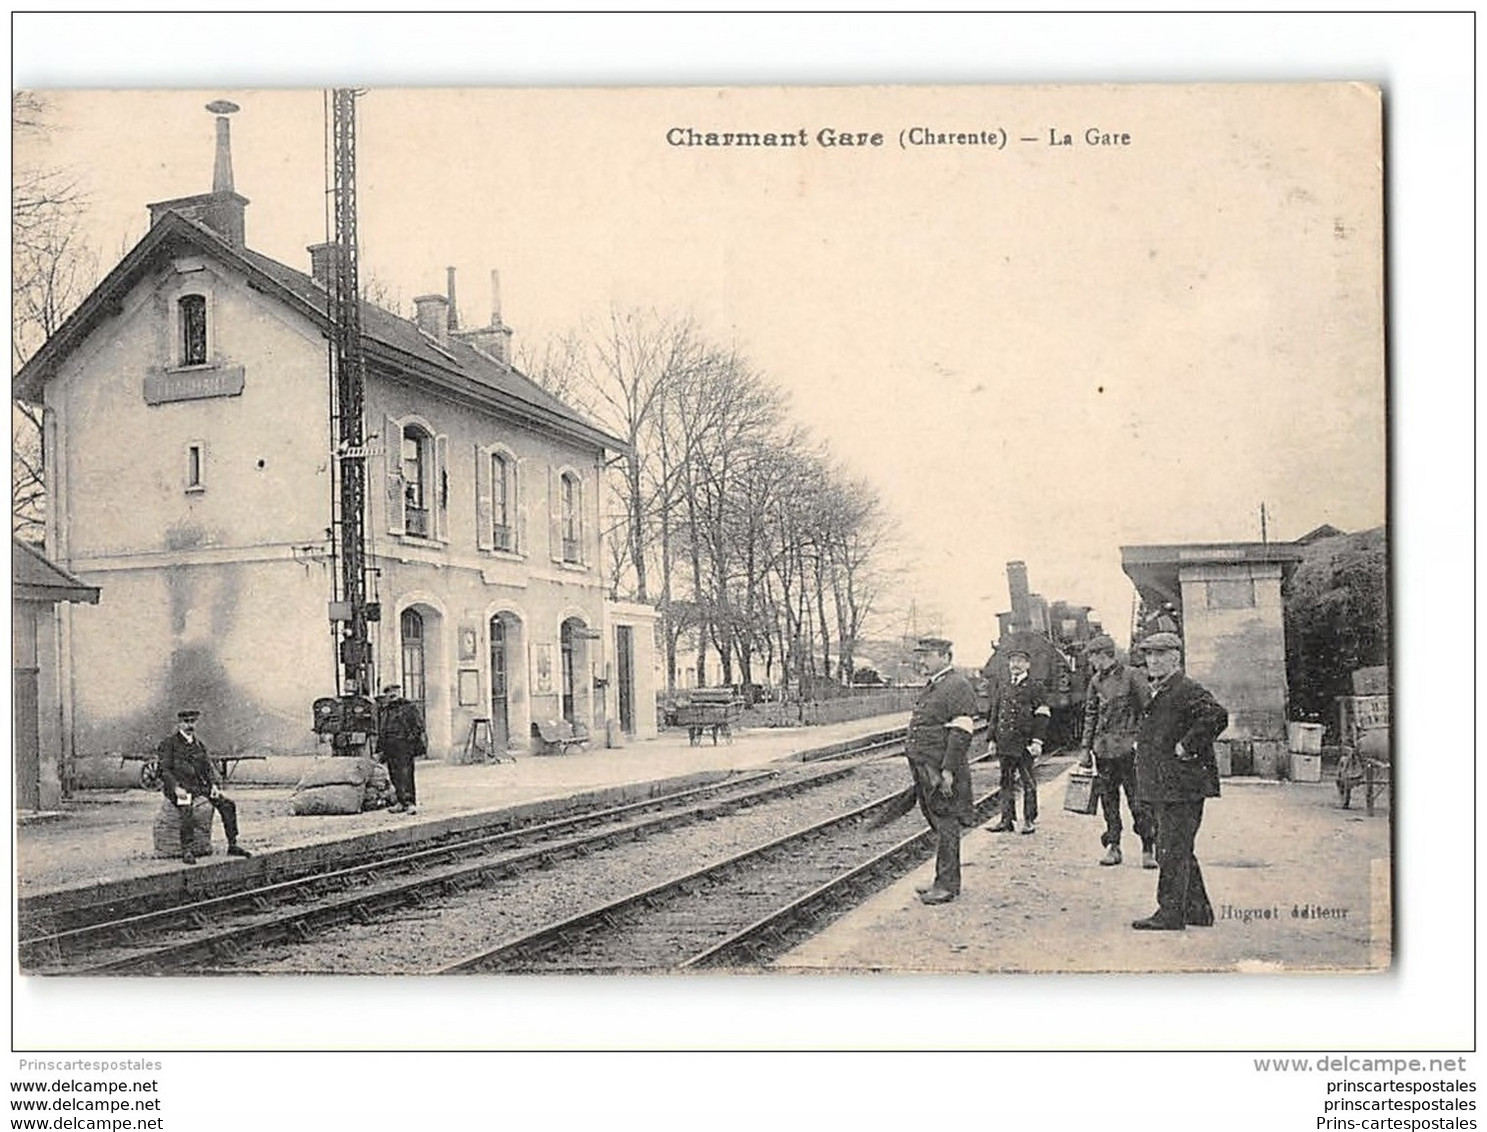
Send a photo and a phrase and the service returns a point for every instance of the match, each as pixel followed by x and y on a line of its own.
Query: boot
pixel 1148 858
pixel 1112 856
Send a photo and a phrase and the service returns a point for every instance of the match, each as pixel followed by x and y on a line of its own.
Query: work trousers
pixel 1117 773
pixel 1018 769
pixel 225 809
pixel 400 769
pixel 947 827
pixel 1181 895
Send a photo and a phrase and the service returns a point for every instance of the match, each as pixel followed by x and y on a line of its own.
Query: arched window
pixel 193 330
pixel 572 518
pixel 417 486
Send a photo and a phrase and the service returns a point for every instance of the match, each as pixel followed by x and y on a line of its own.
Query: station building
pixel 1224 599
pixel 188 458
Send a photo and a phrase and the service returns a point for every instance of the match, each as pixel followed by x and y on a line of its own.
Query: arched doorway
pixel 500 684
pixel 415 682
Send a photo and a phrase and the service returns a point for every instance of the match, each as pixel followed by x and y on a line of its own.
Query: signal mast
pixel 349 718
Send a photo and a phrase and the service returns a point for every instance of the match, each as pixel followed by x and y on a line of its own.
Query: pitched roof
pixel 36 578
pixel 392 344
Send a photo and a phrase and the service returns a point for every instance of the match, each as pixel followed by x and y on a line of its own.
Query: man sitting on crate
pixel 188 773
pixel 1113 705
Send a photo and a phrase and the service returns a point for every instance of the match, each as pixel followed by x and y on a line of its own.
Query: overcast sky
pixel 1037 351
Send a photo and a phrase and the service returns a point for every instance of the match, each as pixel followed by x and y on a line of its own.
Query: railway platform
pixel 100 845
pixel 1298 884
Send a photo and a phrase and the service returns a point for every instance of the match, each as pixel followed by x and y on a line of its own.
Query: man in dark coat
pixel 188 773
pixel 401 740
pixel 1017 718
pixel 1175 771
pixel 1114 703
pixel 938 743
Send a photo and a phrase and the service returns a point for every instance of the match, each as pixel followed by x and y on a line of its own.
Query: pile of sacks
pixel 342 784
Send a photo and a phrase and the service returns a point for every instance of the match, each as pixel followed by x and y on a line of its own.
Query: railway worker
pixel 401 739
pixel 1017 718
pixel 1113 705
pixel 939 739
pixel 188 773
pixel 1175 771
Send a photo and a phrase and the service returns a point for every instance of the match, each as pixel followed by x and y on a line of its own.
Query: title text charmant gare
pixel 826 136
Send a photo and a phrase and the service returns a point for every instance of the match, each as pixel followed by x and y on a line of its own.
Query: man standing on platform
pixel 1017 717
pixel 188 773
pixel 401 739
pixel 1113 705
pixel 1175 771
pixel 938 743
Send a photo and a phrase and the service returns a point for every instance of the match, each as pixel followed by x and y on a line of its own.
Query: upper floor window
pixel 572 518
pixel 503 536
pixel 193 330
pixel 417 489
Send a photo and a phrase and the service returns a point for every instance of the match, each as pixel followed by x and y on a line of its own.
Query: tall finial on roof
pixel 222 170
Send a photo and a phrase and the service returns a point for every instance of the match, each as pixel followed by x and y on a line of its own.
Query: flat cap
pixel 1018 650
pixel 189 715
pixel 1162 642
pixel 390 689
pixel 932 644
pixel 1101 643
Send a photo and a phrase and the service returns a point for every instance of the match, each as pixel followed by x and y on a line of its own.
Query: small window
pixel 195 467
pixel 193 330
pixel 572 519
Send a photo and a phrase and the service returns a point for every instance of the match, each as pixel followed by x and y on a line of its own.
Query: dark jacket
pixel 185 763
pixel 1113 706
pixel 933 745
pixel 1181 711
pixel 1017 714
pixel 400 728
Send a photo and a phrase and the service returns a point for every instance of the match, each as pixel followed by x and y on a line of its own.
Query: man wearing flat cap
pixel 188 773
pixel 938 742
pixel 1175 772
pixel 401 739
pixel 1114 703
pixel 1017 717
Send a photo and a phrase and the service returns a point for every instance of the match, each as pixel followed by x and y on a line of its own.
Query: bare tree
pixel 52 269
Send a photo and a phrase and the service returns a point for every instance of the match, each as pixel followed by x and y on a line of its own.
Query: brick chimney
pixel 221 210
pixel 454 307
pixel 324 258
pixel 432 316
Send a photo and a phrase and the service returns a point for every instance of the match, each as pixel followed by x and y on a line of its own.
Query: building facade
pixel 189 452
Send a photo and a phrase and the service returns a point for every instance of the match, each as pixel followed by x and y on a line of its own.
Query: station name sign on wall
pixel 193 385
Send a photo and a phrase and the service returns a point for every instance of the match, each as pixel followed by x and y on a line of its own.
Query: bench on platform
pixel 149 771
pixel 558 735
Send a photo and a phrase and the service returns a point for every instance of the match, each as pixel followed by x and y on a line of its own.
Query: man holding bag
pixel 1114 703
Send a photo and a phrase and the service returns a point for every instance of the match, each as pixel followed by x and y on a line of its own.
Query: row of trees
pixel 52 269
pixel 752 542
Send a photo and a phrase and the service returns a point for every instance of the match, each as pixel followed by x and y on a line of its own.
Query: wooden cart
pixel 708 709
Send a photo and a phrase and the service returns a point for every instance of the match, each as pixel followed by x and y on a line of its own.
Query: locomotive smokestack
pixel 1022 617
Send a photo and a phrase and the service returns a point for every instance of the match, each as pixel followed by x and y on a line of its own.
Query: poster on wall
pixel 542 666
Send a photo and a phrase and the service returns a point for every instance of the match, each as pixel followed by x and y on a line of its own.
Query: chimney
pixel 324 259
pixel 1017 586
pixel 221 209
pixel 454 308
pixel 433 316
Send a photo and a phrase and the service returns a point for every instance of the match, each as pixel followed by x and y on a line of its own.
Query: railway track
pixel 738 912
pixel 201 935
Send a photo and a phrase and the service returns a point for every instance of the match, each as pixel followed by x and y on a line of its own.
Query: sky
pixel 1036 351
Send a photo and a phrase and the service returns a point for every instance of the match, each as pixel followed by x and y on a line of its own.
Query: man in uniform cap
pixel 1017 717
pixel 1114 703
pixel 401 739
pixel 1175 771
pixel 188 773
pixel 938 742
